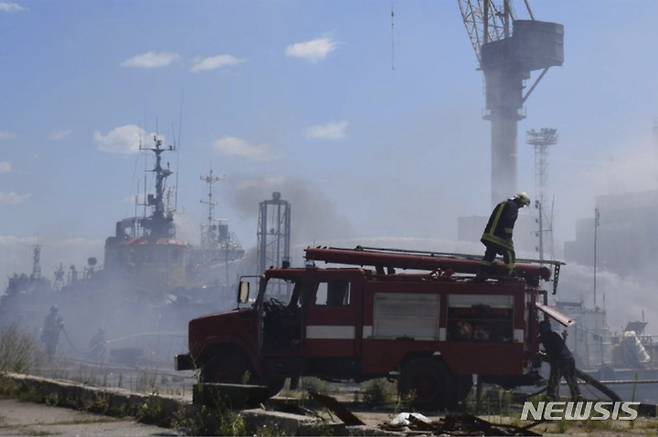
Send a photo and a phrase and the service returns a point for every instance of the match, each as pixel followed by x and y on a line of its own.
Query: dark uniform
pixel 561 361
pixel 497 235
pixel 52 326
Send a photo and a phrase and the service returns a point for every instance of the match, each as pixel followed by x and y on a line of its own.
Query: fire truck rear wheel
pixel 428 384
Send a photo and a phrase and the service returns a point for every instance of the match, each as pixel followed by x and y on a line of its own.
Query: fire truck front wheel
pixel 228 366
pixel 428 384
pixel 231 366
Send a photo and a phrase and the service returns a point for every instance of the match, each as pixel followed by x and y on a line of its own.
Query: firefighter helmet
pixel 523 198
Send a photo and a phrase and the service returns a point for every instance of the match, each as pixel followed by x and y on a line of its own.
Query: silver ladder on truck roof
pixel 556 264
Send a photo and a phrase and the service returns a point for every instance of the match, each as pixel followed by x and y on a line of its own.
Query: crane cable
pixel 392 36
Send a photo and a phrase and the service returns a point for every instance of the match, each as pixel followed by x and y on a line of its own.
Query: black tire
pixel 275 386
pixel 228 366
pixel 232 366
pixel 428 384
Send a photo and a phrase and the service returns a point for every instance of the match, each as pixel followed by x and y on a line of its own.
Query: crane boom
pixel 484 21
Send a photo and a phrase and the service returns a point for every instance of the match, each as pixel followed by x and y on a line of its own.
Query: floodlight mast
pixel 208 232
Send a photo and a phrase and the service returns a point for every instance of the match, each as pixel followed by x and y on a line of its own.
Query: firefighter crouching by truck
pixel 561 361
pixel 497 235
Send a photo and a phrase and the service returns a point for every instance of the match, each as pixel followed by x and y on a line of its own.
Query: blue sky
pixel 401 152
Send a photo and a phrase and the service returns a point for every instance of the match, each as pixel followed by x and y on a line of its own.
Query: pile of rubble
pixel 454 425
pixel 416 423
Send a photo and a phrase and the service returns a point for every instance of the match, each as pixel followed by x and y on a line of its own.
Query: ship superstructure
pixel 145 249
pixel 149 285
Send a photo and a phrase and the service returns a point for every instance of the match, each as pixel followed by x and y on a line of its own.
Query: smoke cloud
pixel 315 217
pixel 578 183
pixel 624 298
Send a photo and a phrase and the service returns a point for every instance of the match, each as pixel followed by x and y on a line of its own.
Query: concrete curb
pixel 156 409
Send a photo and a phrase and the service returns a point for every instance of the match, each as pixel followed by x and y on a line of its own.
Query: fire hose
pixel 68 339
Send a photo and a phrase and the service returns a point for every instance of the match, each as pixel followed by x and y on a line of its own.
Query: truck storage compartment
pixel 412 315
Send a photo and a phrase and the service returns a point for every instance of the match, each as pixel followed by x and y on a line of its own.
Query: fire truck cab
pixel 432 327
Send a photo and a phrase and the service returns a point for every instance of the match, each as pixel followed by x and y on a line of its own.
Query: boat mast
pixel 160 223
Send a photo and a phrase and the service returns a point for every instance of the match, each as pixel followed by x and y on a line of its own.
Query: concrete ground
pixel 28 419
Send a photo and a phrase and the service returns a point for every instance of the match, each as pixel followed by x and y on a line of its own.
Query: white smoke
pixel 623 298
pixel 578 183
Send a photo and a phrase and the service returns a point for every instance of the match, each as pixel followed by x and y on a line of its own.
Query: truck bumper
pixel 183 362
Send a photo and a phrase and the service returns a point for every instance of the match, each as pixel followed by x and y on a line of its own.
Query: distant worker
pixel 52 326
pixel 497 235
pixel 561 361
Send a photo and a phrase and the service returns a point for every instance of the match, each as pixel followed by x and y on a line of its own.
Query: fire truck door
pixel 332 323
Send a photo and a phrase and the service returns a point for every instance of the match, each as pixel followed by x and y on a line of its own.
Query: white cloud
pixel 336 130
pixel 13 198
pixel 5 167
pixel 4 135
pixel 151 60
pixel 123 139
pixel 11 7
pixel 59 135
pixel 313 51
pixel 233 146
pixel 215 62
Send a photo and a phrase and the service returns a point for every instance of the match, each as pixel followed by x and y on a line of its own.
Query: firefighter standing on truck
pixel 560 360
pixel 497 235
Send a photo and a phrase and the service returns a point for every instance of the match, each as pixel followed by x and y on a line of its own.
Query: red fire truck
pixel 427 319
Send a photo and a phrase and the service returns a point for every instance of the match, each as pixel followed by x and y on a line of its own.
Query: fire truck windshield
pixel 278 290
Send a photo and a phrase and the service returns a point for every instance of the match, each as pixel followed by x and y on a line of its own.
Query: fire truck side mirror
pixel 243 292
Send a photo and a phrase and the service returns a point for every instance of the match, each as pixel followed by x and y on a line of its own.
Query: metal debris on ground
pixel 336 408
pixel 405 419
pixel 456 425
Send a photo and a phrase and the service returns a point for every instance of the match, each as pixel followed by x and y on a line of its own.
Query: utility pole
pixel 228 276
pixel 224 238
pixel 208 235
pixel 596 227
pixel 541 139
pixel 540 221
pixel 273 235
pixel 36 262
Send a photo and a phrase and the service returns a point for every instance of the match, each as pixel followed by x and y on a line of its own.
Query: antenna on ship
pixel 145 180
pixel 177 143
pixel 177 146
pixel 160 222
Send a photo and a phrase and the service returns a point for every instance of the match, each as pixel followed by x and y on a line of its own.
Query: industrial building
pixel 626 237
